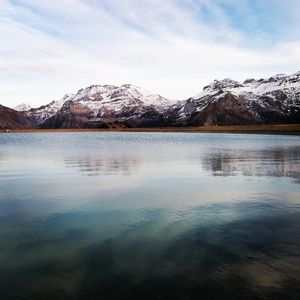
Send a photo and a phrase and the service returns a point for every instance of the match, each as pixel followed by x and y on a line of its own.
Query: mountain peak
pixel 223 84
pixel 22 107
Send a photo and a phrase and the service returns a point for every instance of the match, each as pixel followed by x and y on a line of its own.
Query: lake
pixel 149 216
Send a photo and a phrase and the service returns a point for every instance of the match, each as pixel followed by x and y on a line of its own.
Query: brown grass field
pixel 264 129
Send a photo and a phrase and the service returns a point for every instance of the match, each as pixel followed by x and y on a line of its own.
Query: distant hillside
pixel 11 119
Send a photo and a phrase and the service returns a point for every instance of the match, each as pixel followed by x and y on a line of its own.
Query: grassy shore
pixel 266 129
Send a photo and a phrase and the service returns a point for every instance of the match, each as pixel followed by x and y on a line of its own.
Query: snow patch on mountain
pixel 44 112
pixel 22 107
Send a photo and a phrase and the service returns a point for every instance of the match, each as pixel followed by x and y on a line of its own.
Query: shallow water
pixel 149 216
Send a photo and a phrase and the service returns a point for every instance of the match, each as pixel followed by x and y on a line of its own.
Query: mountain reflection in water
pixel 149 216
pixel 269 162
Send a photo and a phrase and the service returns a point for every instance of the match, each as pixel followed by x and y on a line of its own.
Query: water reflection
pixel 204 253
pixel 111 165
pixel 97 216
pixel 280 162
pixel 268 162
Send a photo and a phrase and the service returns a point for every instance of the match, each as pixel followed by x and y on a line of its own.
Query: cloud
pixel 170 47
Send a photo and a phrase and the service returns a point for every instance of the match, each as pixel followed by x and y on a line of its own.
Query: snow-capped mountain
pixel 100 104
pixel 229 102
pixel 222 102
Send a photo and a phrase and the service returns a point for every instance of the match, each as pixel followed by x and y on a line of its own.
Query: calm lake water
pixel 149 216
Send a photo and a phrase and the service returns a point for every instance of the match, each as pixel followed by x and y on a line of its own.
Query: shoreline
pixel 293 129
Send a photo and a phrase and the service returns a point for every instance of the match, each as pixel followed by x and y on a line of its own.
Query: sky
pixel 169 47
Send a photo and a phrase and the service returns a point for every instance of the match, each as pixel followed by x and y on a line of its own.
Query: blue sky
pixel 170 47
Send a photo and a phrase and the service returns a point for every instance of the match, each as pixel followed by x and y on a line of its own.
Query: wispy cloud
pixel 171 47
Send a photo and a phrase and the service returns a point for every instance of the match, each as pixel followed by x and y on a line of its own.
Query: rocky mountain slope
pixel 11 119
pixel 228 102
pixel 223 102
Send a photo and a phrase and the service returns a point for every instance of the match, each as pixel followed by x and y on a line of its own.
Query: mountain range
pixel 275 100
